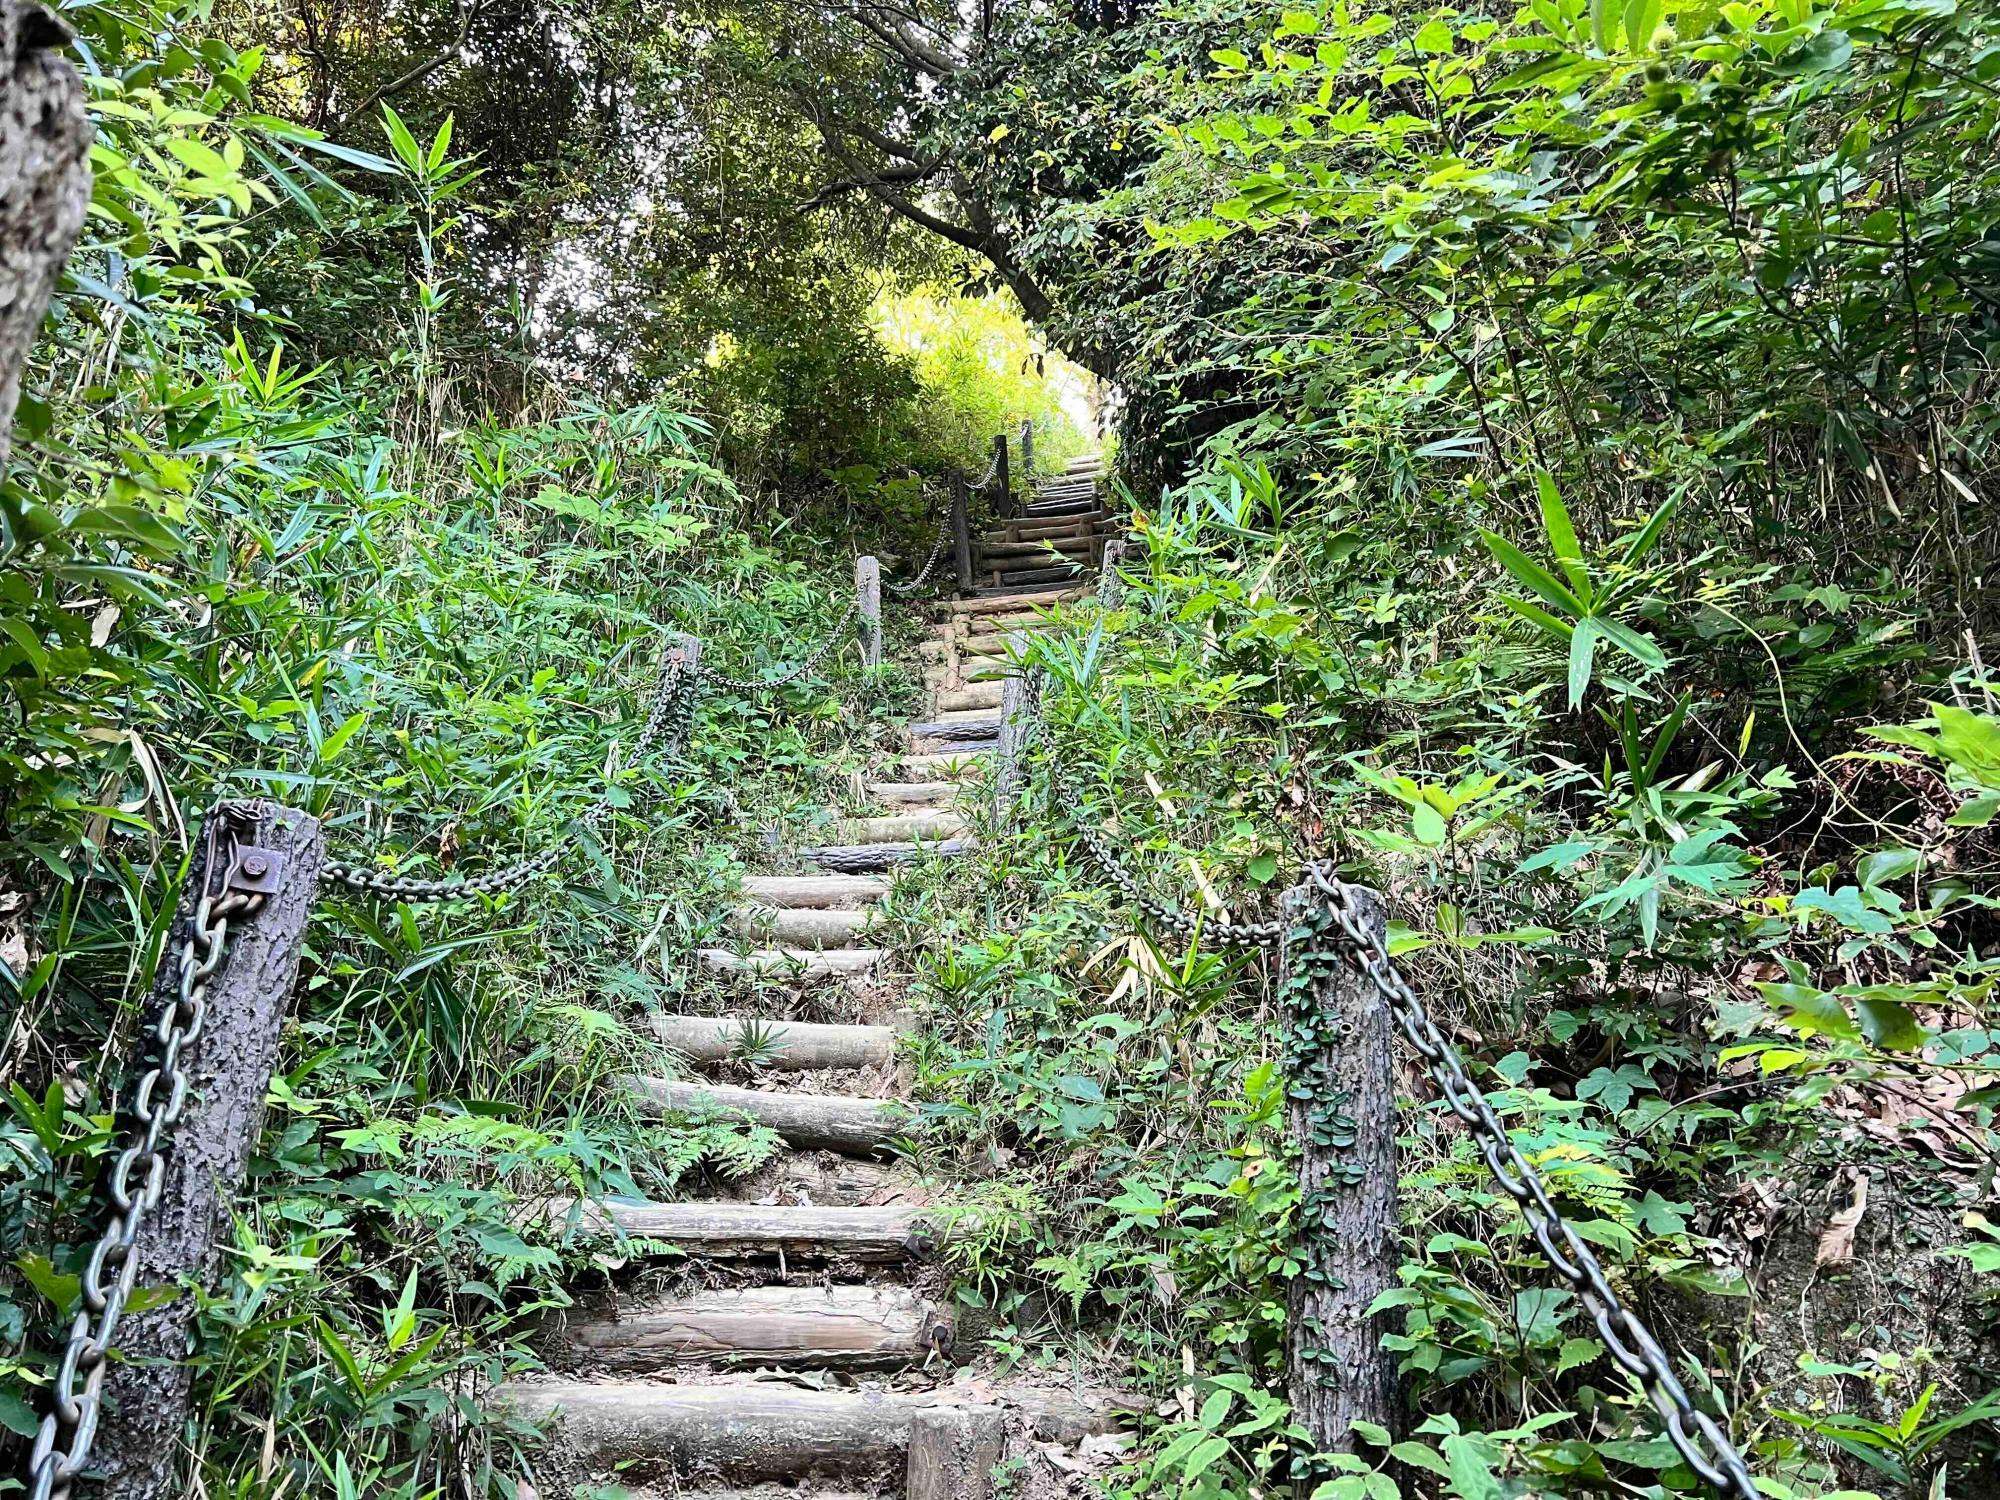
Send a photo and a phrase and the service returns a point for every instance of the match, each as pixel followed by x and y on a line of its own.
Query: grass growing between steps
pixel 445 665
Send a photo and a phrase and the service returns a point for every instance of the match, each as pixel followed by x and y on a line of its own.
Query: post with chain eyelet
pixel 868 602
pixel 219 1002
pixel 1339 1064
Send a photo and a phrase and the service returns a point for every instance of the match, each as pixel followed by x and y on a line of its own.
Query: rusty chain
pixel 236 877
pixel 667 726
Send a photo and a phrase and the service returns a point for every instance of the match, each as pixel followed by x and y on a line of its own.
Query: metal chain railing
pixel 1224 928
pixel 938 546
pixel 667 726
pixel 1707 1449
pixel 792 674
pixel 1696 1436
pixel 236 878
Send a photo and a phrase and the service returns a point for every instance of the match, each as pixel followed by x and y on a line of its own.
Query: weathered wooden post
pixel 1003 478
pixel 1109 585
pixel 1339 1064
pixel 1027 450
pixel 276 853
pixel 952 1452
pixel 961 532
pixel 44 183
pixel 1018 704
pixel 868 596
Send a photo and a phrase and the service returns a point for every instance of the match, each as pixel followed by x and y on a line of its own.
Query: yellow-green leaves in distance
pixel 1639 19
pixel 1580 604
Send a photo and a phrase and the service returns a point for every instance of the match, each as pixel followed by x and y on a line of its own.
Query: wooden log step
pixel 989 645
pixel 913 793
pixel 757 1231
pixel 1035 575
pixel 1027 529
pixel 979 727
pixel 984 668
pixel 797 927
pixel 932 825
pixel 1002 600
pixel 810 1122
pixel 871 857
pixel 749 1429
pixel 1019 622
pixel 798 1328
pixel 834 891
pixel 799 963
pixel 980 696
pixel 785 1045
pixel 1013 594
pixel 954 764
pixel 1016 554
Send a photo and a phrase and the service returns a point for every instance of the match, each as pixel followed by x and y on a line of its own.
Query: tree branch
pixel 421 71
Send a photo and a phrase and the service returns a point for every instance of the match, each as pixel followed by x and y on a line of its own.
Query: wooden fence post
pixel 1003 478
pixel 952 1452
pixel 1109 584
pixel 868 594
pixel 1339 1064
pixel 1017 710
pixel 1027 451
pixel 961 532
pixel 229 1073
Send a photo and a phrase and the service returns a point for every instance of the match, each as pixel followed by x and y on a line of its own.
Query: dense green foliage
pixel 275 526
pixel 1560 447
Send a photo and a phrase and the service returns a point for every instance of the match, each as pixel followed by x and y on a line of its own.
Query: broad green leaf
pixel 1582 653
pixel 1562 535
pixel 1811 1011
pixel 1890 1025
pixel 1532 574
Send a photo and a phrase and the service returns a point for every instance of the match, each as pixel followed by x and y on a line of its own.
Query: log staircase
pixel 790 1337
pixel 1054 538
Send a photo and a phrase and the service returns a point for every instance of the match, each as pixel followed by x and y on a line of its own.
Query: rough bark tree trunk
pixel 44 183
pixel 1341 1072
pixel 229 1073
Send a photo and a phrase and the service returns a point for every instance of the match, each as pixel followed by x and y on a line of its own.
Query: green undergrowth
pixel 1688 956
pixel 431 614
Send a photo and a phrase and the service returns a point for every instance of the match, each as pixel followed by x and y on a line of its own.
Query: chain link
pixel 1696 1436
pixel 752 684
pixel 667 727
pixel 1631 1344
pixel 63 1442
pixel 938 546
pixel 1224 928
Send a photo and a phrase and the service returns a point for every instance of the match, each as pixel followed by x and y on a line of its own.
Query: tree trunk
pixel 229 1073
pixel 1340 1069
pixel 44 183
